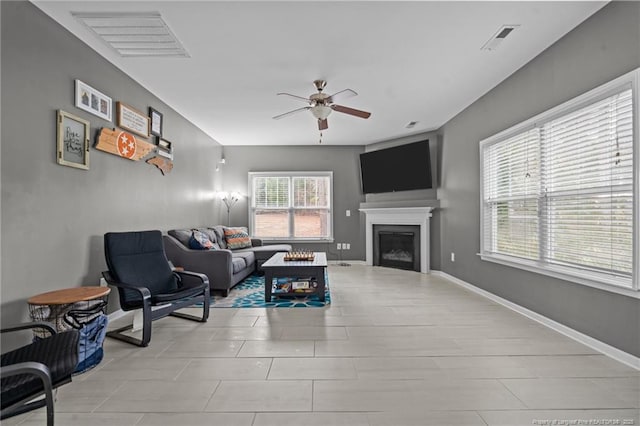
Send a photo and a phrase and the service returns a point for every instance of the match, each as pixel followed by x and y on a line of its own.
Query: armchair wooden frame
pixel 162 310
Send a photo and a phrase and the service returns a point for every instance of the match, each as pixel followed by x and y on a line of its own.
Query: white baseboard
pixel 608 350
pixel 351 262
pixel 115 315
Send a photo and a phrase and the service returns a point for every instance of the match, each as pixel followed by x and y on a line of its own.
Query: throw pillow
pixel 199 241
pixel 237 238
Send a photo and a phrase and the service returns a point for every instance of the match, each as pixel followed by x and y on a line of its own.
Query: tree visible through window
pixel 291 205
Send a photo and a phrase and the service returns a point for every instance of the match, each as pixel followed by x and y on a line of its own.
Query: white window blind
pixel 512 189
pixel 588 181
pixel 291 206
pixel 311 192
pixel 560 194
pixel 271 192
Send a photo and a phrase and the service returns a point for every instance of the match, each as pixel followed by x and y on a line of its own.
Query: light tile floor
pixel 395 348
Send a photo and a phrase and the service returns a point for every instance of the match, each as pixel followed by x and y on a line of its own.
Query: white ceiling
pixel 408 61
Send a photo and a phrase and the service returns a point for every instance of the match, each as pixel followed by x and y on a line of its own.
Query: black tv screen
pixel 401 168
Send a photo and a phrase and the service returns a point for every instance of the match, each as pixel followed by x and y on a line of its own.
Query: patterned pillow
pixel 237 238
pixel 200 241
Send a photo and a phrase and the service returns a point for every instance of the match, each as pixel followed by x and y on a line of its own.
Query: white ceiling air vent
pixel 134 34
pixel 497 39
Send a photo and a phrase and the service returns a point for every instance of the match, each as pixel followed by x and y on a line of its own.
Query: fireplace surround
pixel 399 216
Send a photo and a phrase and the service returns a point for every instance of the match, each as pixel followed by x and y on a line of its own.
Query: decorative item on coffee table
pixel 299 255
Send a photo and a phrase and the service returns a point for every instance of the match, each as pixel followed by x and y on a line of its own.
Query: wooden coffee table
pixel 277 267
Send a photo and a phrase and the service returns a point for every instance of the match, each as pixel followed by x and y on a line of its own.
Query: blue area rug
pixel 250 294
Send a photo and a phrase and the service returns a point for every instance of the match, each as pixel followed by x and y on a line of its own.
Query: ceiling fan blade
pixel 343 94
pixel 277 117
pixel 300 98
pixel 323 124
pixel 351 111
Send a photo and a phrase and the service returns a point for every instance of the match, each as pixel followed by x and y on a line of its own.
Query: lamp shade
pixel 321 112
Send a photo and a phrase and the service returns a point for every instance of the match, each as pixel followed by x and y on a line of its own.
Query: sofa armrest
pixel 215 264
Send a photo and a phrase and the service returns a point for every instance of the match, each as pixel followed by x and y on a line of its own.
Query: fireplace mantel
pixel 399 216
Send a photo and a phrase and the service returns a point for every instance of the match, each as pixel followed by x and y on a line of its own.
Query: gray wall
pixel 604 47
pixel 342 160
pixel 53 217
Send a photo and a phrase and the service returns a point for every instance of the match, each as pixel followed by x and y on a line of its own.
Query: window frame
pixel 291 209
pixel 576 275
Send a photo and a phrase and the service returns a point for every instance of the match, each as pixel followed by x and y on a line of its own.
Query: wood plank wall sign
pixel 163 164
pixel 123 144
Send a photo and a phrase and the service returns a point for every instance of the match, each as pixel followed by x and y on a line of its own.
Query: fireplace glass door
pixel 397 246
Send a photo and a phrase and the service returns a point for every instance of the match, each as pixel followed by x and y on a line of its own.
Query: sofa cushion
pixel 238 264
pixel 248 256
pixel 265 252
pixel 182 235
pixel 237 238
pixel 218 230
pixel 211 235
pixel 200 241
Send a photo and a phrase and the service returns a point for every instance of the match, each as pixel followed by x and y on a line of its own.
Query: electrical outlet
pixel 348 246
pixel 339 246
pixel 453 257
pixel 348 213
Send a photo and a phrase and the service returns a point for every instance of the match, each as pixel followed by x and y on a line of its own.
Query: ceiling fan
pixel 321 105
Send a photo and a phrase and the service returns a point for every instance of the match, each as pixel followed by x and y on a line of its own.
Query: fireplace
pixel 418 216
pixel 397 246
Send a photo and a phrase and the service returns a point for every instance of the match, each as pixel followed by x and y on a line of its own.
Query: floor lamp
pixel 230 200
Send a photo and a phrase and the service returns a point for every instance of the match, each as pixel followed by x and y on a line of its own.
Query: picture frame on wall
pixel 156 121
pixel 93 101
pixel 165 145
pixel 72 141
pixel 132 120
pixel 165 148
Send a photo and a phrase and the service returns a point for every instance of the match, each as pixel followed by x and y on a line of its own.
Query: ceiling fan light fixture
pixel 321 112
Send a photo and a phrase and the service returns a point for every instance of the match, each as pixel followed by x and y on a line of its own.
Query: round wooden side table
pixel 54 306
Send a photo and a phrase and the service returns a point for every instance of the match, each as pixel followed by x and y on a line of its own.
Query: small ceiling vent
pixel 497 39
pixel 134 34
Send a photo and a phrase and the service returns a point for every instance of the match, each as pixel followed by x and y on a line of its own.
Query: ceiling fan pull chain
pixel 320 138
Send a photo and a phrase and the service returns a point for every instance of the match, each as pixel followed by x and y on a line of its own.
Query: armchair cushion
pixel 181 293
pixel 58 352
pixel 134 258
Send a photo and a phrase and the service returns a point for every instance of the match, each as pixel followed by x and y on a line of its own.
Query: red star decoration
pixel 126 145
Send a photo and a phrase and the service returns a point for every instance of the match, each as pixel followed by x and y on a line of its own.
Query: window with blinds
pixel 291 206
pixel 558 191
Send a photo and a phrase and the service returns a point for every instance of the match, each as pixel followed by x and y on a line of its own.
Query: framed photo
pixel 165 145
pixel 156 121
pixel 132 120
pixel 73 141
pixel 93 101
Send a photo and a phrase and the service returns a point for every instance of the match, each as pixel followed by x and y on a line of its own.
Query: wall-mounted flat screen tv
pixel 400 168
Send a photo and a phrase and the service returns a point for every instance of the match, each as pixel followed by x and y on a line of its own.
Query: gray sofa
pixel 225 268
